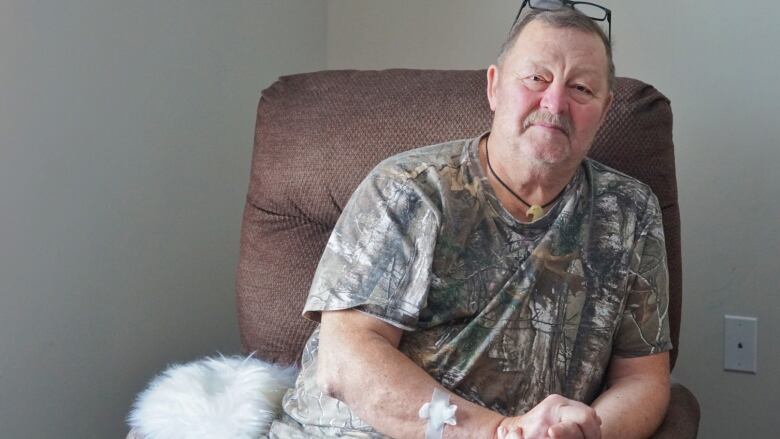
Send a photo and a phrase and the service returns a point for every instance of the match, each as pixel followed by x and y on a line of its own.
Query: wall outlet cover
pixel 740 343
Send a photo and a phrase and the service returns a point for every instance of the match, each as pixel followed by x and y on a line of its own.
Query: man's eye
pixel 535 82
pixel 582 89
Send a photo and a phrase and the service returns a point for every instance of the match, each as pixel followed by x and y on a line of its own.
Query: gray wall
pixel 718 62
pixel 125 136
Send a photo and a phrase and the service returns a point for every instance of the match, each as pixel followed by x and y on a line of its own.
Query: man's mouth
pixel 550 126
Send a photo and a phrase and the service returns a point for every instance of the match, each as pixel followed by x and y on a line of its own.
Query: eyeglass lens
pixel 592 11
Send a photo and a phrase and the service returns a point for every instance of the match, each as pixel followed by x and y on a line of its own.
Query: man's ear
pixel 492 85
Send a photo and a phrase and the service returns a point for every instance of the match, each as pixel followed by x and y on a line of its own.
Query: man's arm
pixel 359 363
pixel 635 398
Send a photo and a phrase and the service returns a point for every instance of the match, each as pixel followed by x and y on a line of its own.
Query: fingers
pixel 582 416
pixel 516 433
pixel 565 430
pixel 560 418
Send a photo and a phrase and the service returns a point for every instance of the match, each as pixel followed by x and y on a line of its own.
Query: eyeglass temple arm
pixel 519 11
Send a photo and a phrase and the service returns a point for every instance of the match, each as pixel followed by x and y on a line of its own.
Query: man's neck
pixel 535 183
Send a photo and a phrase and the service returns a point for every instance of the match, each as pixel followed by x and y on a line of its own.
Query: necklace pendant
pixel 534 212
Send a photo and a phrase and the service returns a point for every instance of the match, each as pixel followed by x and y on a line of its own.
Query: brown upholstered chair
pixel 319 134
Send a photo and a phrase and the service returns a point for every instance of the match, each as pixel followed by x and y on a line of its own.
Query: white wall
pixel 126 130
pixel 434 34
pixel 718 62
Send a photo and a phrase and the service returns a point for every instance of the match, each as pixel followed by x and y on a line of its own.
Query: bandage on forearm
pixel 438 412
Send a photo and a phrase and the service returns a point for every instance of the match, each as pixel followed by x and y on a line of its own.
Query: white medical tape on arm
pixel 438 412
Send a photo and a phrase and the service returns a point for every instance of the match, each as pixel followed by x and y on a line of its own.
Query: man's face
pixel 550 94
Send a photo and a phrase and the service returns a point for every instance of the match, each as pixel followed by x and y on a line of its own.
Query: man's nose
pixel 555 99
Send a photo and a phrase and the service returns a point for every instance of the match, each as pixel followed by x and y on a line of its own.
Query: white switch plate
pixel 741 342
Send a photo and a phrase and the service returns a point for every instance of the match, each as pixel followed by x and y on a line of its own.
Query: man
pixel 527 282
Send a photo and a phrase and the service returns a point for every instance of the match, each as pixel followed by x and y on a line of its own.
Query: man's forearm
pixel 632 407
pixel 386 389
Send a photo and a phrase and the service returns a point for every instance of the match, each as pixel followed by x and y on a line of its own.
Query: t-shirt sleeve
pixel 644 328
pixel 379 254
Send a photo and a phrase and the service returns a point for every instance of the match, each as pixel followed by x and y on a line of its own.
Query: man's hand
pixel 557 418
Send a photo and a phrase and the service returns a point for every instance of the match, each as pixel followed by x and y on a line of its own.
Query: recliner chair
pixel 318 134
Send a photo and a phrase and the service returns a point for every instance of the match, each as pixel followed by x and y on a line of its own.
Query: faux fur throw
pixel 214 398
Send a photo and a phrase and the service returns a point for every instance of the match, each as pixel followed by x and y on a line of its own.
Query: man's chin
pixel 549 155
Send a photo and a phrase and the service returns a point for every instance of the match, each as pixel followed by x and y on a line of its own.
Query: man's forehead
pixel 538 33
pixel 539 43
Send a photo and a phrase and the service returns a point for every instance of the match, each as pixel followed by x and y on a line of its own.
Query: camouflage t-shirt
pixel 500 312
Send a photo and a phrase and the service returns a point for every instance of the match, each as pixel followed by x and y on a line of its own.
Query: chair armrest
pixel 682 416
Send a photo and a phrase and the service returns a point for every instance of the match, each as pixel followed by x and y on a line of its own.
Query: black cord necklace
pixel 535 211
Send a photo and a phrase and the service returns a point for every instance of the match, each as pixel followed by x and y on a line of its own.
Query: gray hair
pixel 562 18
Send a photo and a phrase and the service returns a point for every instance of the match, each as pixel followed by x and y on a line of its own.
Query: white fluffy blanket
pixel 226 397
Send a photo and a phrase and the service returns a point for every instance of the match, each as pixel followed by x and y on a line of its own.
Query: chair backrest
pixel 317 136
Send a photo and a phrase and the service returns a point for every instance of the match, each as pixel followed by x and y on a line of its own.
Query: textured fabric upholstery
pixel 319 134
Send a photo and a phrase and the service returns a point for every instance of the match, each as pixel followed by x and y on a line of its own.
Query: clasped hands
pixel 554 418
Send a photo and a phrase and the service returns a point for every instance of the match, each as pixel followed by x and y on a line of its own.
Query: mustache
pixel 560 122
